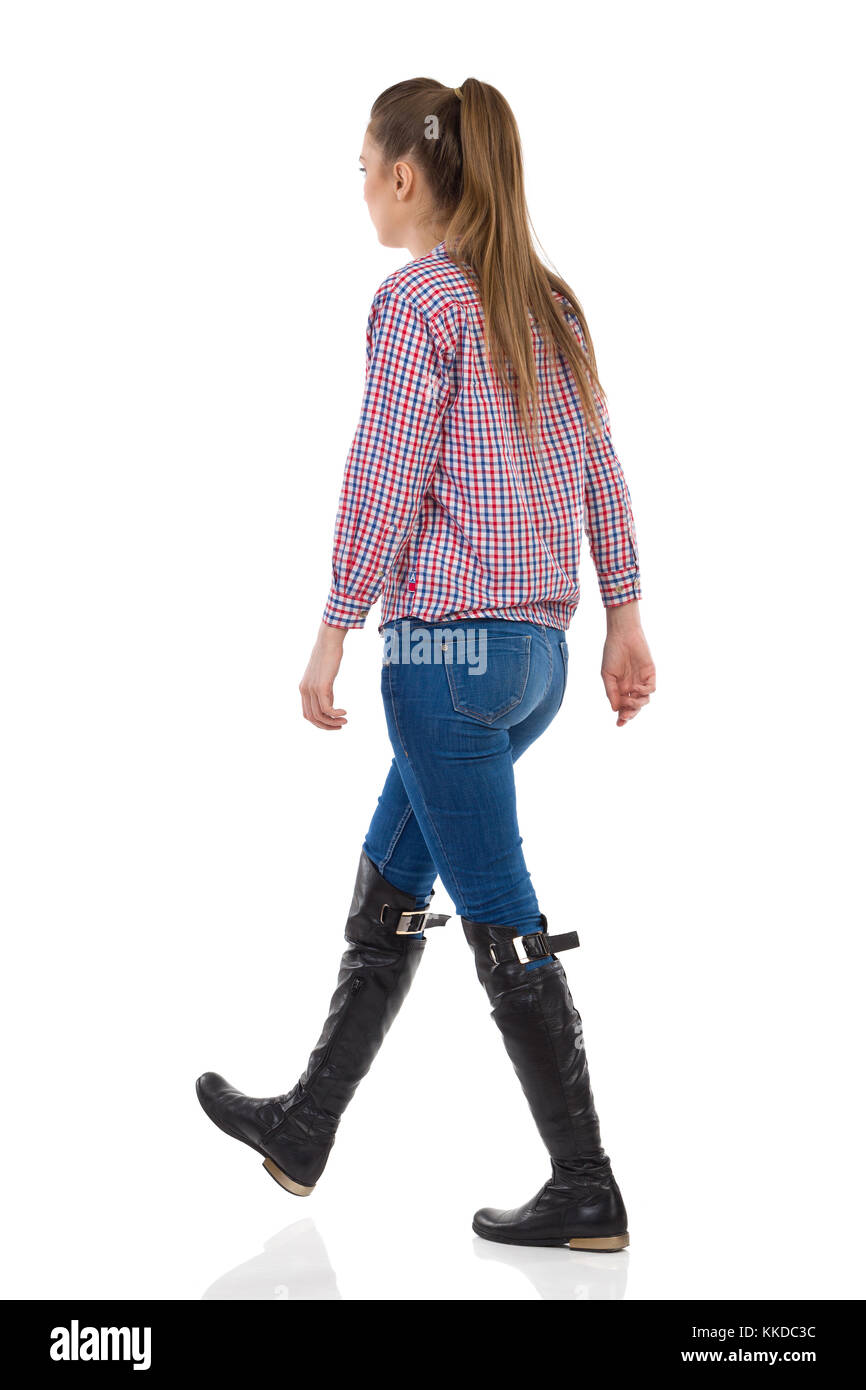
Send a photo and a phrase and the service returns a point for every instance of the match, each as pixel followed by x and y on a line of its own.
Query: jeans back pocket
pixel 491 684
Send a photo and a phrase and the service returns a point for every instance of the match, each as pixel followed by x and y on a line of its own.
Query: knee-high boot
pixel 580 1205
pixel 295 1132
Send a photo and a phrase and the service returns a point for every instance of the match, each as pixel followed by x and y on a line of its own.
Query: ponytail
pixel 474 166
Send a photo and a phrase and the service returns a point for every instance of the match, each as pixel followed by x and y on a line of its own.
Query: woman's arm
pixel 392 459
pixel 390 466
pixel 627 668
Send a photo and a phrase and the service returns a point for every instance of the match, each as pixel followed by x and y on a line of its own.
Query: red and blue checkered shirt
pixel 447 510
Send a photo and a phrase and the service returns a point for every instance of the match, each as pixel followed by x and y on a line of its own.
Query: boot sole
pixel 600 1243
pixel 296 1188
pixel 284 1180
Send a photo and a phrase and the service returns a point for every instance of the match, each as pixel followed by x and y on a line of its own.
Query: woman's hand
pixel 627 669
pixel 317 683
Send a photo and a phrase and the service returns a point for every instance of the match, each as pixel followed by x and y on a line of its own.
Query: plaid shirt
pixel 446 509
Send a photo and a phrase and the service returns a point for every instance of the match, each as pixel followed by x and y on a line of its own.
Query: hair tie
pixel 459 93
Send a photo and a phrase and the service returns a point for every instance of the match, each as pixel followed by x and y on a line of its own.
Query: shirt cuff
pixel 620 588
pixel 344 612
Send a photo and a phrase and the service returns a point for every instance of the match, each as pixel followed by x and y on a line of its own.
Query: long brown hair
pixel 468 147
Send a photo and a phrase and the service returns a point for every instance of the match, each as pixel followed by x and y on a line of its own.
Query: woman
pixel 483 447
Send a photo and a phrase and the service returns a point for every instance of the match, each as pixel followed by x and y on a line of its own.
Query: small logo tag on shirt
pixel 410 579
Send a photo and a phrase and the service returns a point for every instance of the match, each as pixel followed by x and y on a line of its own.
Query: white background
pixel 187 266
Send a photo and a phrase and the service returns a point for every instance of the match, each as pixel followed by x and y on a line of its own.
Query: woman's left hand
pixel 317 683
pixel 627 669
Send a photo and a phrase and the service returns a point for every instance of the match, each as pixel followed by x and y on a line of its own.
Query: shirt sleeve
pixel 607 514
pixel 608 518
pixel 393 457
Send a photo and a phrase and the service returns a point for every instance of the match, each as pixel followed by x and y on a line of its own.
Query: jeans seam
pixel 550 673
pixel 420 792
pixel 395 839
pixel 564 661
pixel 394 712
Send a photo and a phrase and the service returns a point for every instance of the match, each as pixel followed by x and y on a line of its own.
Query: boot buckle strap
pixel 532 946
pixel 421 918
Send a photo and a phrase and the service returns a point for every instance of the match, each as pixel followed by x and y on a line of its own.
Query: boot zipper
pixel 357 986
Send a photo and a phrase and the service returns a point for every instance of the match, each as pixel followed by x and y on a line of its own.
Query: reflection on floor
pixel 294 1265
pixel 563 1274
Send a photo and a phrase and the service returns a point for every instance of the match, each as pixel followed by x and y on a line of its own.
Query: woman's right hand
pixel 317 683
pixel 627 669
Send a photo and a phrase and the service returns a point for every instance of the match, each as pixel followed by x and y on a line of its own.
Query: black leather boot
pixel 295 1132
pixel 580 1205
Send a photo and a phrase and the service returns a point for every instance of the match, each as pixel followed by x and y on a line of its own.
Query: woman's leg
pixel 294 1132
pixel 455 743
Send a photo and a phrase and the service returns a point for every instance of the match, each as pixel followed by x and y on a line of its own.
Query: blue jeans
pixel 448 806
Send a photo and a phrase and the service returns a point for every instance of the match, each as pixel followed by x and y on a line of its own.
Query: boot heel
pixel 284 1180
pixel 599 1242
